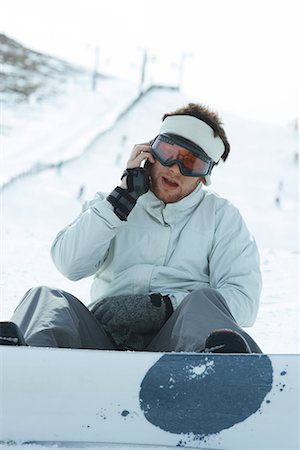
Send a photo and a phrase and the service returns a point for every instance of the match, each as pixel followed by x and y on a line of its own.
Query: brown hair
pixel 206 115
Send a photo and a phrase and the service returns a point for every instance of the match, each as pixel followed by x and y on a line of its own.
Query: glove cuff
pixel 158 299
pixel 169 307
pixel 122 201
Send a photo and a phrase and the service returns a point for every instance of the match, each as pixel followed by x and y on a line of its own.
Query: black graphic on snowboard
pixel 204 394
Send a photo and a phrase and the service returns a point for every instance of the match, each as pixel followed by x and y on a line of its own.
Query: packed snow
pixel 260 177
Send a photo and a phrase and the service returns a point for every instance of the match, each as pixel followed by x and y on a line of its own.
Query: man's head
pixel 197 133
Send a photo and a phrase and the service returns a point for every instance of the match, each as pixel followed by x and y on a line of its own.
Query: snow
pixel 59 130
pixel 203 370
pixel 261 168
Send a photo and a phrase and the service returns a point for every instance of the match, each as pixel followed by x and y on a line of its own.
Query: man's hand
pixel 134 184
pixel 126 316
pixel 140 153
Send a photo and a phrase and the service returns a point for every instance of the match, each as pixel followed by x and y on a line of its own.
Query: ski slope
pixel 260 177
pixel 60 128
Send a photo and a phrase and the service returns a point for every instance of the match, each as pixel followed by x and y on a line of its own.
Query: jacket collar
pixel 171 213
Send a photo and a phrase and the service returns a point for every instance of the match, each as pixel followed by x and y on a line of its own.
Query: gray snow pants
pixel 54 318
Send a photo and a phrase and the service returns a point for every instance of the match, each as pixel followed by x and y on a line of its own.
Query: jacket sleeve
pixel 80 248
pixel 234 265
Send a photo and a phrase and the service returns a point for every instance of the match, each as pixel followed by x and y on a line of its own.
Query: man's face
pixel 169 185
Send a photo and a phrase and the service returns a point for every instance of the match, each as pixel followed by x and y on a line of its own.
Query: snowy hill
pixel 28 76
pixel 51 109
pixel 86 136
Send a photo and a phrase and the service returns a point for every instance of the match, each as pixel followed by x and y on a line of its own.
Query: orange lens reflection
pixel 174 152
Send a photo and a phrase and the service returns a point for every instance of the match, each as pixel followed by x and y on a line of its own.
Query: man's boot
pixel 226 341
pixel 10 334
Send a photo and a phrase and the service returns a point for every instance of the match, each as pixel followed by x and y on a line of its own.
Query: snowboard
pixel 207 401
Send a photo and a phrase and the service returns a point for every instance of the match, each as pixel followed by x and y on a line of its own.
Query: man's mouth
pixel 169 183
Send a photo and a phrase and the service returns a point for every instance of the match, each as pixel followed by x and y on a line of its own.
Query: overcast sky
pixel 241 55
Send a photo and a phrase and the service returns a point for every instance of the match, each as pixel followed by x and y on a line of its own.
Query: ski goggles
pixel 191 159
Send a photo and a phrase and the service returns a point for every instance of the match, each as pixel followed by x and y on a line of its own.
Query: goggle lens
pixel 168 153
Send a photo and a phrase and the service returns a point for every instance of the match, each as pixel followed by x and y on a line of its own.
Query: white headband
pixel 196 131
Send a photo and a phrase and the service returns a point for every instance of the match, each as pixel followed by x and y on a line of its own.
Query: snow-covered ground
pixel 260 177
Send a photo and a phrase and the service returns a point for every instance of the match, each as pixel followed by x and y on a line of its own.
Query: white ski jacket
pixel 174 249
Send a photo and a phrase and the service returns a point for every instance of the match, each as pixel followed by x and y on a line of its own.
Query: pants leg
pixel 200 313
pixel 51 317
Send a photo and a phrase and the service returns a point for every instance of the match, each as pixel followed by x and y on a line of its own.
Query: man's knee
pixel 204 295
pixel 49 297
pixel 39 294
pixel 37 290
pixel 206 299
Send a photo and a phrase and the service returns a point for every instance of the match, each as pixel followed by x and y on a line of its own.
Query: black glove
pixel 128 317
pixel 124 200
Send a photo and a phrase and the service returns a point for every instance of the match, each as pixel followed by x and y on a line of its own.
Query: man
pixel 175 268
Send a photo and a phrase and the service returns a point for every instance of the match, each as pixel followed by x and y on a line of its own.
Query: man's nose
pixel 174 170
